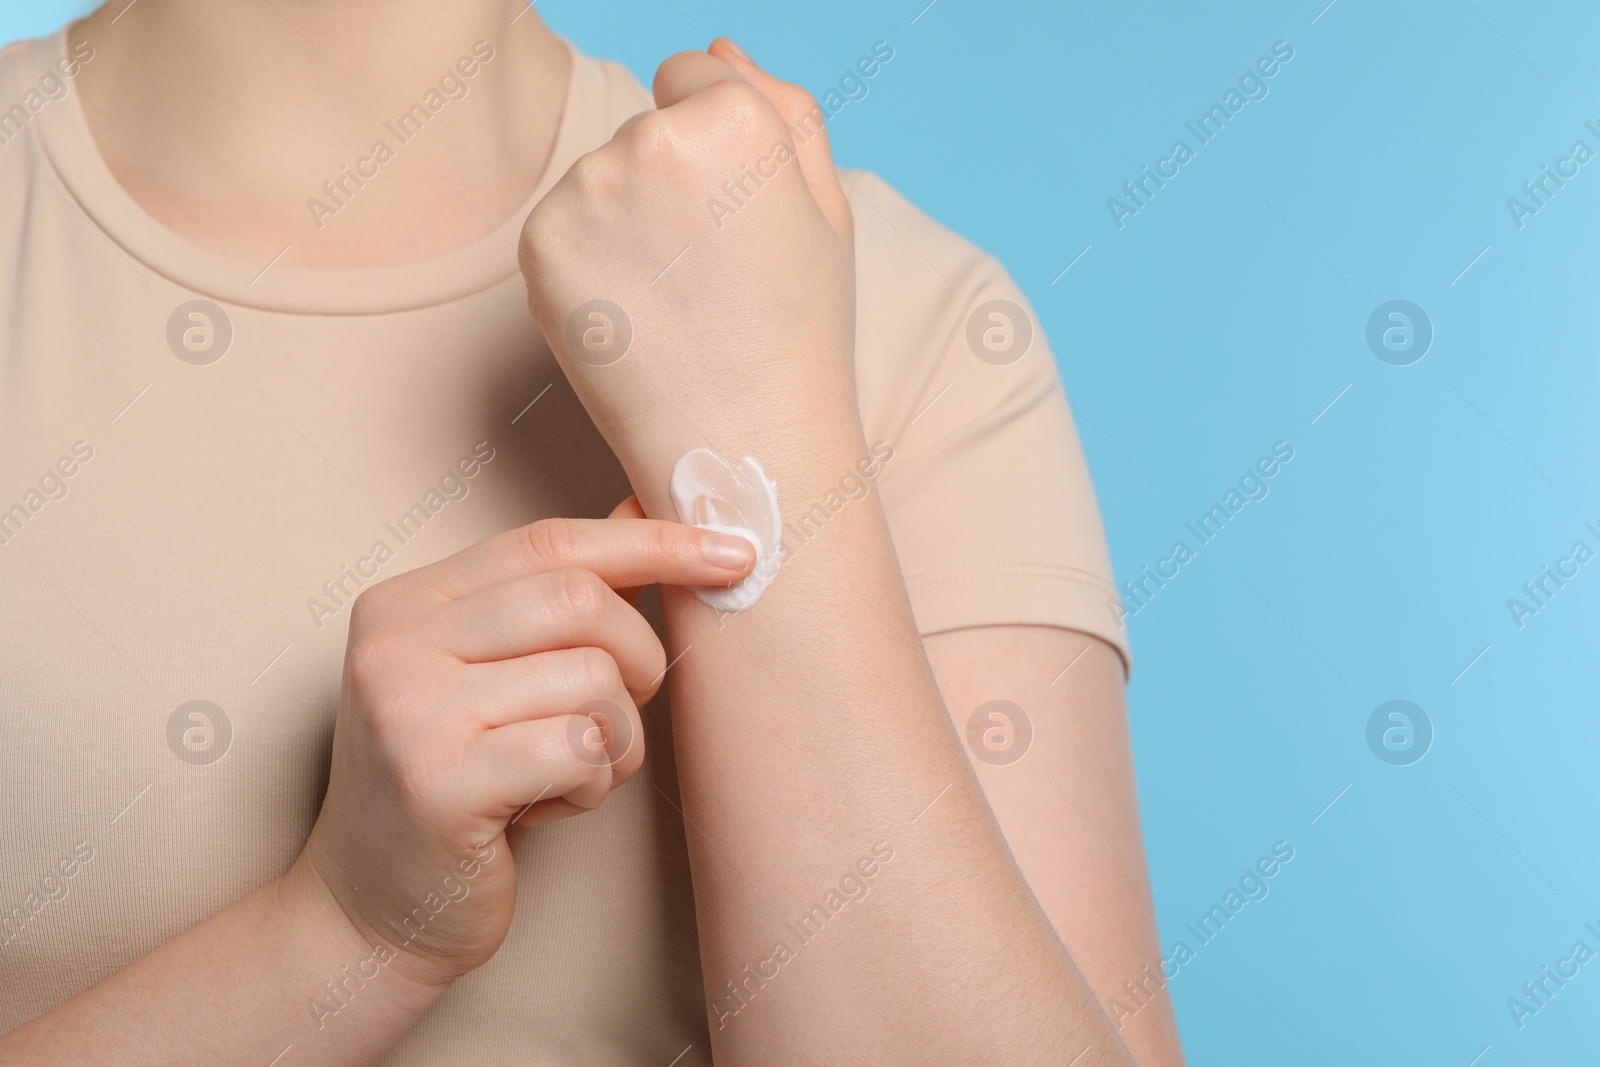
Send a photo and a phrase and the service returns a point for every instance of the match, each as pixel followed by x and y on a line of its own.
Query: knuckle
pixel 586 774
pixel 732 94
pixel 599 776
pixel 566 756
pixel 372 605
pixel 373 658
pixel 658 139
pixel 554 228
pixel 594 174
pixel 795 102
pixel 550 541
pixel 582 172
pixel 745 114
pixel 539 233
pixel 594 672
pixel 580 595
pixel 665 543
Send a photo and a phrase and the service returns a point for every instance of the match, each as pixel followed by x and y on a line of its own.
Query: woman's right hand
pixel 499 685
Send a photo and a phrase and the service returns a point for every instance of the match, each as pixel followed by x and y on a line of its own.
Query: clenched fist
pixel 695 275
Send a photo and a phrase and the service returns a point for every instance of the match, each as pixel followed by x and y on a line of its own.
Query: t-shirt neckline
pixel 69 145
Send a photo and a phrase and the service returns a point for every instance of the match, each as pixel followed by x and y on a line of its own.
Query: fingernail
pixel 738 53
pixel 728 551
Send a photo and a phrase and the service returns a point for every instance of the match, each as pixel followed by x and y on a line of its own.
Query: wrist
pixel 798 441
pixel 335 948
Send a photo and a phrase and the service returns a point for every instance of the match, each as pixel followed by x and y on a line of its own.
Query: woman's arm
pixel 1068 807
pixel 855 898
pixel 238 988
pixel 812 736
pixel 497 686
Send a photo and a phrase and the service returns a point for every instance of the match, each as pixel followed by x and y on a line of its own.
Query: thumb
pixel 808 126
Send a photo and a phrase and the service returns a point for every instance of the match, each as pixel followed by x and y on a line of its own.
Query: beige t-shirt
pixel 191 492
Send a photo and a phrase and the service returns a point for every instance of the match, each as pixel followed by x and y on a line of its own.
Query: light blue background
pixel 1224 318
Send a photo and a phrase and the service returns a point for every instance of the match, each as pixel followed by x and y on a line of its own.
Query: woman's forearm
pixel 855 899
pixel 280 973
pixel 854 894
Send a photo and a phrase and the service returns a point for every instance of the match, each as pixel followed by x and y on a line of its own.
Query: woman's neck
pixel 250 128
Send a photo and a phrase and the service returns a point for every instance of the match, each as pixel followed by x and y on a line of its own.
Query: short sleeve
pixel 986 490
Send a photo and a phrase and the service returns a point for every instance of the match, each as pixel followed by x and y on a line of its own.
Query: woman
pixel 274 403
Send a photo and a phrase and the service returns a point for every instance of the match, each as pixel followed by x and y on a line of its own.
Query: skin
pixel 809 730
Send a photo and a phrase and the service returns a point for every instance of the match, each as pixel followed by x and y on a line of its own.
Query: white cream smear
pixel 730 498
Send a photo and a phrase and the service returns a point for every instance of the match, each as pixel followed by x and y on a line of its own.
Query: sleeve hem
pixel 1018 594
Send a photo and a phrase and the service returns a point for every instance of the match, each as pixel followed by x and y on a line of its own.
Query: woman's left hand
pixel 695 275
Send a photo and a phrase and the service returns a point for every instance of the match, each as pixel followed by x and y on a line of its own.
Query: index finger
pixel 623 552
